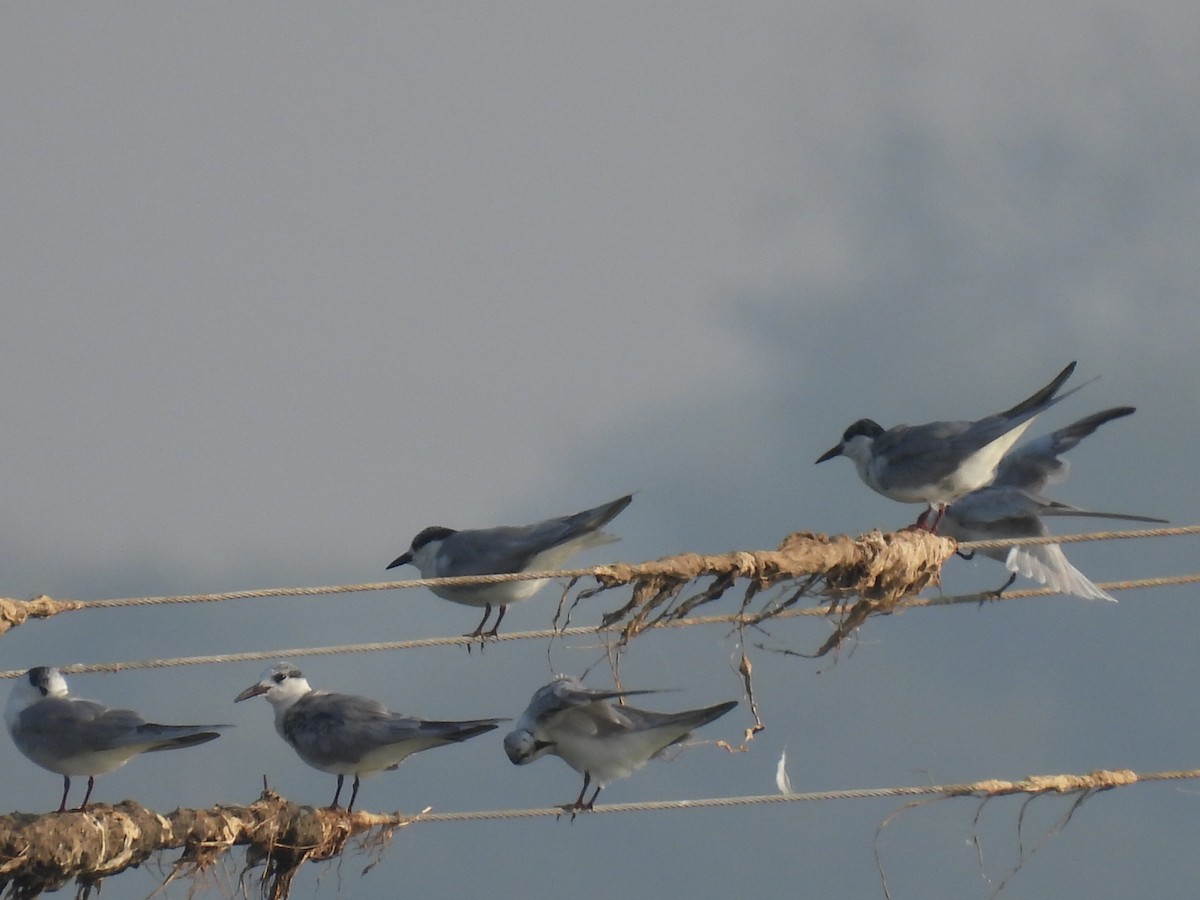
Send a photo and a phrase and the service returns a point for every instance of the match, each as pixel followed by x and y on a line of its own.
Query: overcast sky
pixel 284 284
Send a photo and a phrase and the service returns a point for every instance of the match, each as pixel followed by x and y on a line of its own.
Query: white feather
pixel 781 776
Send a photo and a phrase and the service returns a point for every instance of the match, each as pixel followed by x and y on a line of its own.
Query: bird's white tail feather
pixel 1048 565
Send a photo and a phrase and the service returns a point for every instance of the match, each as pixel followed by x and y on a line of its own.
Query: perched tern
pixel 938 462
pixel 344 734
pixel 602 740
pixel 1012 506
pixel 71 736
pixel 440 552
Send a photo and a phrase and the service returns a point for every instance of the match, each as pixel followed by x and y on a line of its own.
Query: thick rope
pixel 879 567
pixel 592 571
pixel 735 619
pixel 44 852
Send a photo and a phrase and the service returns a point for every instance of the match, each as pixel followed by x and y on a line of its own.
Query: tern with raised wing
pixel 601 740
pixel 1013 505
pixel 345 734
pixel 440 552
pixel 938 462
pixel 71 736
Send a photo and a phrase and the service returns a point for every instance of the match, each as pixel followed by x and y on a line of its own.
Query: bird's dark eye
pixel 278 679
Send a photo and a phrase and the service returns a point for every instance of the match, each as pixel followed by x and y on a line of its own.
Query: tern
pixel 938 462
pixel 344 734
pixel 1012 506
pixel 72 736
pixel 440 552
pixel 601 740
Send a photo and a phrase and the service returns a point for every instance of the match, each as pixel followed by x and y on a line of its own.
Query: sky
pixel 284 284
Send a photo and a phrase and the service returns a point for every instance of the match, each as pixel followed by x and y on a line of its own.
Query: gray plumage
pixel 938 462
pixel 440 552
pixel 1013 505
pixel 345 734
pixel 72 736
pixel 601 740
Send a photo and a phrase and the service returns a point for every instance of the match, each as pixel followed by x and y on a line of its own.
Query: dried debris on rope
pixel 16 612
pixel 44 852
pixel 1081 786
pixel 876 568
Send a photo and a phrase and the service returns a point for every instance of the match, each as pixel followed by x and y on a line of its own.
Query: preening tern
pixel 601 740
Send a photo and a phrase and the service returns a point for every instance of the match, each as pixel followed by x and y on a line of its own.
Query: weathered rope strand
pixel 43 852
pixel 1133 584
pixel 591 571
pixel 734 619
pixel 1103 779
pixel 340 588
pixel 1176 531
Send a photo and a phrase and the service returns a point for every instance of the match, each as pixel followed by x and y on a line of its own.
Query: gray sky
pixel 285 284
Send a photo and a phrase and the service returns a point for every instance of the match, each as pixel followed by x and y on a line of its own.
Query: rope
pixel 454 581
pixel 1131 585
pixel 45 851
pixel 736 619
pixel 1085 536
pixel 1035 784
pixel 592 572
pixel 457 640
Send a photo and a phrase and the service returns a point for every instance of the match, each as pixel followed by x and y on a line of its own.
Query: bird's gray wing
pixel 675 726
pixel 1054 508
pixel 430 732
pixel 983 431
pixel 928 453
pixel 336 728
pixel 1037 463
pixel 997 503
pixel 566 528
pixel 71 726
pixel 586 707
pixel 486 551
pixel 511 548
pixel 920 454
pixel 343 728
pixel 1042 398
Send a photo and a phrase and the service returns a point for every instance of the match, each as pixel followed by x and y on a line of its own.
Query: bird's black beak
pixel 830 453
pixel 253 691
pixel 401 560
